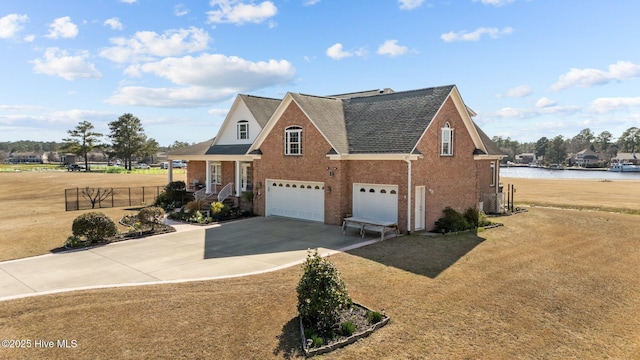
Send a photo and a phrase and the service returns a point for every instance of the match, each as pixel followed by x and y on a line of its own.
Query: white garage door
pixel 295 199
pixel 375 201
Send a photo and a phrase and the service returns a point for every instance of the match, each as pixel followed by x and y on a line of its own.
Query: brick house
pixel 393 156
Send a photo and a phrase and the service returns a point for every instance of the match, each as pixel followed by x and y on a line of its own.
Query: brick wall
pixel 196 170
pixel 449 180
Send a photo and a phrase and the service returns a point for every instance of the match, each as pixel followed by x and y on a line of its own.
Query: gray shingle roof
pixel 262 108
pixel 196 149
pixel 327 114
pixel 239 149
pixel 492 148
pixel 391 123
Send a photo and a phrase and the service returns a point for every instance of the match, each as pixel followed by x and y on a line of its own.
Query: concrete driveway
pixel 192 253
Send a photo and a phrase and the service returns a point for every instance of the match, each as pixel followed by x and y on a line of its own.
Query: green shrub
pixel 151 216
pixel 472 215
pixel 451 221
pixel 322 295
pixel 94 226
pixel 220 210
pixel 347 328
pixel 73 241
pixel 374 317
pixel 316 341
pixel 197 217
pixel 483 220
pixel 173 194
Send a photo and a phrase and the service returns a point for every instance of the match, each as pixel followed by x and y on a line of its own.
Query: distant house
pixel 399 157
pixel 586 158
pixel 627 158
pixel 28 157
pixel 525 158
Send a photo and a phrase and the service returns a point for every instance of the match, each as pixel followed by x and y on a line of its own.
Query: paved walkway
pixel 191 253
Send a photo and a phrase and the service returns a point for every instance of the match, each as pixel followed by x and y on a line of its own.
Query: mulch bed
pixel 357 315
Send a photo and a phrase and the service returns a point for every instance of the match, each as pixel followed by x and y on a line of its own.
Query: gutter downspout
pixel 408 195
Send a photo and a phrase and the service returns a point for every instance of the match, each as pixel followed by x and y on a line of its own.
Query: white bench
pixel 364 224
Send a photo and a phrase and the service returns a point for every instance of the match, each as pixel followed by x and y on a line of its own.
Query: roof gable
pixel 253 109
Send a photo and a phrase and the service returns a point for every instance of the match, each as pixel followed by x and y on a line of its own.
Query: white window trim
pixel 287 140
pixel 446 132
pixel 239 125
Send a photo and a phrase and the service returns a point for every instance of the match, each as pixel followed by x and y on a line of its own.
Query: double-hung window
pixel 493 173
pixel 293 140
pixel 446 140
pixel 243 130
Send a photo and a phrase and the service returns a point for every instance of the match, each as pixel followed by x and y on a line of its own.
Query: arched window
pixel 446 140
pixel 243 130
pixel 293 140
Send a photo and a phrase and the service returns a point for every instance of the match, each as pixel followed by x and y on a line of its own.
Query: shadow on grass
pixel 289 345
pixel 421 254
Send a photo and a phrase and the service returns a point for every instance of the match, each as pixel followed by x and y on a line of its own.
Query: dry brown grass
pixel 32 210
pixel 550 284
pixel 615 195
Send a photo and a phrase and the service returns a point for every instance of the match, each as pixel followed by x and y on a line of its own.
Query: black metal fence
pixel 97 198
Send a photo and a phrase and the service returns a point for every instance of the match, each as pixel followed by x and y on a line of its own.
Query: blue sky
pixel 529 68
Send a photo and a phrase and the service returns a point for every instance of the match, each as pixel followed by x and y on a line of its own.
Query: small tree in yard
pixel 322 295
pixel 96 195
pixel 151 216
pixel 95 227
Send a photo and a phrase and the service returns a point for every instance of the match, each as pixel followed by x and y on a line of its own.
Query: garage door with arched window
pixel 295 199
pixel 376 201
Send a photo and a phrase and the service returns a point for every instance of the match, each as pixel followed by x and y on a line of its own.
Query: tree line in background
pixel 127 141
pixel 556 150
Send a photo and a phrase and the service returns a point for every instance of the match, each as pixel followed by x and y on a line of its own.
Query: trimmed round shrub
pixel 322 295
pixel 151 216
pixel 94 226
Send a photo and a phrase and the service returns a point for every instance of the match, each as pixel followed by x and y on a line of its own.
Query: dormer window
pixel 446 140
pixel 243 130
pixel 293 140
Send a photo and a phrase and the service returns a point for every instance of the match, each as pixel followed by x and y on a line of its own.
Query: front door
pixel 420 203
pixel 246 177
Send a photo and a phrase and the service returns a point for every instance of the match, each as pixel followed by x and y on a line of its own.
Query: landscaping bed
pixel 364 324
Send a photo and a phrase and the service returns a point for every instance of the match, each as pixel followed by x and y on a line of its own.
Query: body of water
pixel 540 173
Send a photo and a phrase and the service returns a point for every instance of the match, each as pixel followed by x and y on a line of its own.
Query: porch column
pixel 238 178
pixel 207 181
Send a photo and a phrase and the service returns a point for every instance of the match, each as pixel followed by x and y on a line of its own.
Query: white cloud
pixel 11 24
pixel 493 33
pixel 495 2
pixel 187 97
pixel 545 102
pixel 237 12
pixel 62 28
pixel 129 1
pixel 220 71
pixel 311 2
pixel 619 71
pixel 336 52
pixel 544 106
pixel 391 48
pixel 180 10
pixel 518 91
pixel 605 105
pixel 410 4
pixel 58 62
pixel 147 45
pixel 114 23
pixel 218 112
pixel 29 38
pixel 206 79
